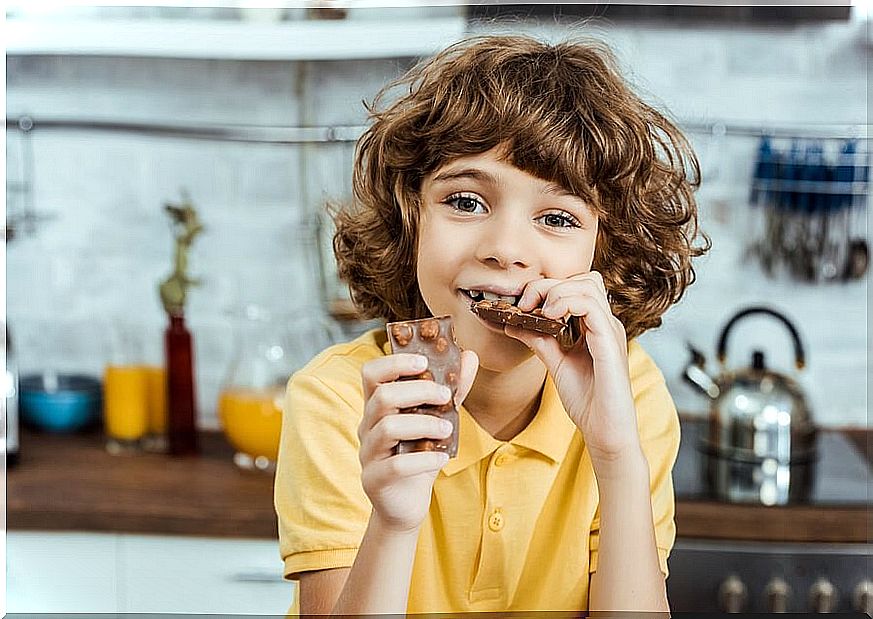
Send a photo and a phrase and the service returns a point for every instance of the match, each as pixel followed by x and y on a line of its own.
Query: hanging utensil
pixel 853 174
pixel 760 201
pixel 791 233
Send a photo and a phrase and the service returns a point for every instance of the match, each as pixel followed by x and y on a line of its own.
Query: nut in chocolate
pixel 434 338
pixel 568 332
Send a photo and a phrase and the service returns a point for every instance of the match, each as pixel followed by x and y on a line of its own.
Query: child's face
pixel 487 226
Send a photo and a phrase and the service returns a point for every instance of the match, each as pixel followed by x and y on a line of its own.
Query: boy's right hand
pixel 399 485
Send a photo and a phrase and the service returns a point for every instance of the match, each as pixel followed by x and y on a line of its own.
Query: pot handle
pixel 799 358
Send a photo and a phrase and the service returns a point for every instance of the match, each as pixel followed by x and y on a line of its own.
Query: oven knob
pixel 863 597
pixel 823 596
pixel 777 593
pixel 732 594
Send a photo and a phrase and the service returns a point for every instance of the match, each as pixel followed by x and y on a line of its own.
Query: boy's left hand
pixel 592 377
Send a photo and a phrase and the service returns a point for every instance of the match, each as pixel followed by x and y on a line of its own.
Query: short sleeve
pixel 658 424
pixel 322 508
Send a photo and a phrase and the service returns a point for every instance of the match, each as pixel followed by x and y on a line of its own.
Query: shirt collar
pixel 474 444
pixel 549 432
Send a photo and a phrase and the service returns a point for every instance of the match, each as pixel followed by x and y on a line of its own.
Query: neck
pixel 504 403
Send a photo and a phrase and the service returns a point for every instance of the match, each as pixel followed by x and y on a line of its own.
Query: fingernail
pixel 419 363
pixel 446 393
pixel 446 426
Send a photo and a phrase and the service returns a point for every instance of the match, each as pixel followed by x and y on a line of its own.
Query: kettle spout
pixel 696 375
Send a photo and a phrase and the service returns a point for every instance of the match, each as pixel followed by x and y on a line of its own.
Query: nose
pixel 503 243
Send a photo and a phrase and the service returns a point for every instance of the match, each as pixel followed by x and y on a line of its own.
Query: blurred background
pixel 248 111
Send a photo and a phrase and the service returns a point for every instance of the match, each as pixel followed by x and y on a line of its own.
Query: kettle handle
pixel 799 358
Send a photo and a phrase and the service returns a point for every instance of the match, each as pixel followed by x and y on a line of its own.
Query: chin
pixel 503 358
pixel 497 352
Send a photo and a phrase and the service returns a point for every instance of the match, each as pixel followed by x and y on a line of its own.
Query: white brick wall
pixel 107 244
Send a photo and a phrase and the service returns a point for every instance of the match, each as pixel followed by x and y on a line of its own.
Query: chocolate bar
pixel 435 339
pixel 567 332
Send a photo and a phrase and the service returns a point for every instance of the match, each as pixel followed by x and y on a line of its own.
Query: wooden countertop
pixel 69 482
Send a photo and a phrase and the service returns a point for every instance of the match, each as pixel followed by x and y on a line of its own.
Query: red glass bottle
pixel 181 408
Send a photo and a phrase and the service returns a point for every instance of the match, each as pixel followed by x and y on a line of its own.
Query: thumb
pixel 469 367
pixel 546 347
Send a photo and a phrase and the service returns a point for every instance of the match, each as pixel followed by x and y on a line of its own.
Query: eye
pixel 465 203
pixel 560 220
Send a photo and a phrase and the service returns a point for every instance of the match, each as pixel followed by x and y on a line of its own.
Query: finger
pixel 389 368
pixel 384 472
pixel 597 277
pixel 594 281
pixel 535 293
pixel 469 367
pixel 389 398
pixel 591 286
pixel 546 347
pixel 379 443
pixel 600 327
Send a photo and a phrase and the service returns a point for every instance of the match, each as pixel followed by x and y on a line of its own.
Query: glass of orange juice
pixel 156 387
pixel 268 349
pixel 252 421
pixel 125 407
pixel 133 390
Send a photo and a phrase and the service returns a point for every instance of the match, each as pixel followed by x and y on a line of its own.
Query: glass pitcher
pixel 268 348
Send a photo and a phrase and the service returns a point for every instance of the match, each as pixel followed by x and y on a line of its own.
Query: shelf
pixel 303 40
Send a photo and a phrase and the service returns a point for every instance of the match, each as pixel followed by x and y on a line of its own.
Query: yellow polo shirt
pixel 513 525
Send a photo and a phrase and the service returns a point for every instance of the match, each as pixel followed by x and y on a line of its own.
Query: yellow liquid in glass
pixel 156 382
pixel 125 402
pixel 251 420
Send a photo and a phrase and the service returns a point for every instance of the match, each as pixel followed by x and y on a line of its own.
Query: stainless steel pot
pixel 761 441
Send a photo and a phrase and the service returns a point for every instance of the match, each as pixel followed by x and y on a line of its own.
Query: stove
pixel 742 576
pixel 840 476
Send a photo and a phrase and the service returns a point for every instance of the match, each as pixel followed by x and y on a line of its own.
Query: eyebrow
pixel 478 174
pixel 472 173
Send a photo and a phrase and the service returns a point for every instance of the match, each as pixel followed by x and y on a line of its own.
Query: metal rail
pixel 824 131
pixel 263 134
pixel 260 134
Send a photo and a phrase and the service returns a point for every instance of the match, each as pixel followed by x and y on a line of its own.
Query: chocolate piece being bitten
pixel 435 339
pixel 567 332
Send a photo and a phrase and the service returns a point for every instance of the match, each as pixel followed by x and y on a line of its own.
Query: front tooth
pixel 490 296
pixel 510 300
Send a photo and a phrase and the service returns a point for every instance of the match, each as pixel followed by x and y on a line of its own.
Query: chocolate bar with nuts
pixel 435 339
pixel 566 331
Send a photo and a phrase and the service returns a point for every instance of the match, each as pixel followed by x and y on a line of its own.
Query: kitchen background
pixel 92 240
pixel 100 244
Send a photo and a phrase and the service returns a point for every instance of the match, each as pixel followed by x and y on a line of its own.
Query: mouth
pixel 479 295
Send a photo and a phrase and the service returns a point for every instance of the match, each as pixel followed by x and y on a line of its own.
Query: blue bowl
pixel 60 402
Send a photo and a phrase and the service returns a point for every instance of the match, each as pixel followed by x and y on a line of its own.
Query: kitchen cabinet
pixel 204 39
pixel 61 572
pixel 78 572
pixel 89 533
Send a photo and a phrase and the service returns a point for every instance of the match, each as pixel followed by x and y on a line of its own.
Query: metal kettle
pixel 761 440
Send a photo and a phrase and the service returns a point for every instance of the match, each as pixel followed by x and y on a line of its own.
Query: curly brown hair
pixel 563 114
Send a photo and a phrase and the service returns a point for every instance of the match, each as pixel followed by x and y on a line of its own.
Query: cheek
pixel 588 248
pixel 433 263
pixel 572 259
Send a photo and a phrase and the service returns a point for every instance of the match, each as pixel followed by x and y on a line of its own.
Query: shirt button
pixel 496 521
pixel 500 460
